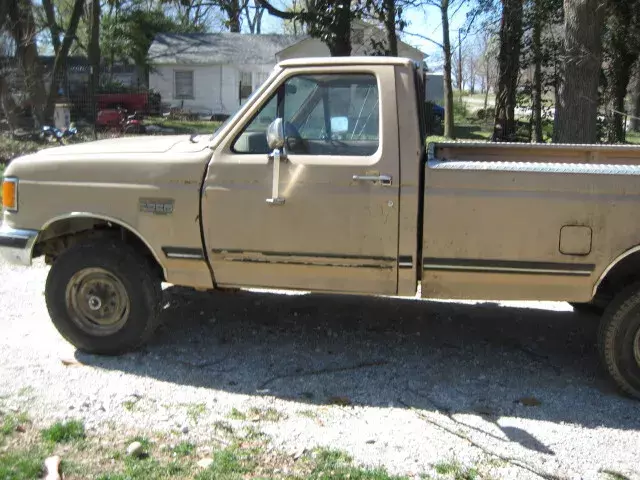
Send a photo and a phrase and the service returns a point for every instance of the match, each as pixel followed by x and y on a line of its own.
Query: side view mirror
pixel 339 124
pixel 275 134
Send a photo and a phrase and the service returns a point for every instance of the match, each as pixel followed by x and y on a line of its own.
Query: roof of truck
pixel 356 60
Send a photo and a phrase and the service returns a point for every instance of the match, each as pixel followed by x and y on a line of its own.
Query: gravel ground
pixel 402 383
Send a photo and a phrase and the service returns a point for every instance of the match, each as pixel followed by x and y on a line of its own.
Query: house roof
pixel 226 47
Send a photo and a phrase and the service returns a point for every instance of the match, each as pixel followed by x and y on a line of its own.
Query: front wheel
pixel 103 297
pixel 619 340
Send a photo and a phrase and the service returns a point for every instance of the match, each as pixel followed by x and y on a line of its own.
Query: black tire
pixel 619 340
pixel 135 287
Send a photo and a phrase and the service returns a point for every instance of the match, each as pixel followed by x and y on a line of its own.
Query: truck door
pixel 334 225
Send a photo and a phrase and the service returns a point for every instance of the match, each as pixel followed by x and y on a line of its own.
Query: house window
pixel 245 86
pixel 183 83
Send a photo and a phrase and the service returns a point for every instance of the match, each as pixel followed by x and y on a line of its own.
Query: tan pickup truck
pixel 323 181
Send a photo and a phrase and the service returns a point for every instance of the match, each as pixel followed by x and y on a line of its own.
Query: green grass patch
pixel 147 469
pixel 22 464
pixel 11 422
pixel 64 432
pixel 456 470
pixel 223 427
pixel 228 464
pixel 129 405
pixel 257 414
pixel 11 148
pixel 613 475
pixel 308 413
pixel 267 414
pixel 184 449
pixel 337 465
pixel 184 126
pixel 195 411
pixel 633 137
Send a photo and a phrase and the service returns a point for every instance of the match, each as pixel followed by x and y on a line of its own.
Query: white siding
pixel 215 86
pixel 310 47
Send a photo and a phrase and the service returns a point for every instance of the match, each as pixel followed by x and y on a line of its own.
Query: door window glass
pixel 329 114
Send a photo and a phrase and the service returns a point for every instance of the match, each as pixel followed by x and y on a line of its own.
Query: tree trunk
pixel 257 18
pixel 622 54
pixel 621 68
pixel 509 67
pixel 635 122
pixel 54 28
pixel 23 30
pixel 448 90
pixel 9 106
pixel 537 72
pixel 390 27
pixel 60 62
pixel 233 13
pixel 94 56
pixel 487 84
pixel 619 94
pixel 460 85
pixel 340 42
pixel 577 110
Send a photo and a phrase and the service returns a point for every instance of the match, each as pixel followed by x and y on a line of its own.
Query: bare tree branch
pixel 275 11
pixel 438 44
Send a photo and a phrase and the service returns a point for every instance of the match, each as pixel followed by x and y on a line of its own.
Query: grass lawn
pixel 184 126
pixel 633 137
pixel 239 455
pixel 11 148
pixel 466 130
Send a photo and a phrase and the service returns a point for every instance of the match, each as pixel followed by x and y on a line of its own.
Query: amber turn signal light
pixel 10 194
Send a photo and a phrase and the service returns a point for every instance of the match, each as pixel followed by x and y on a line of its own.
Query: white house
pixel 213 73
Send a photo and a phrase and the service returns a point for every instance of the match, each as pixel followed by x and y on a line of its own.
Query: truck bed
pixel 526 222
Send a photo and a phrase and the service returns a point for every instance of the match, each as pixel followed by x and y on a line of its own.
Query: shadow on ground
pixel 480 359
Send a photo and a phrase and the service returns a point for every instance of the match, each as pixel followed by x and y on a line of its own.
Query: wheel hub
pixel 97 301
pixel 94 303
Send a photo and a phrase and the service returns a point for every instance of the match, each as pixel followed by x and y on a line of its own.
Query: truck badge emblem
pixel 156 206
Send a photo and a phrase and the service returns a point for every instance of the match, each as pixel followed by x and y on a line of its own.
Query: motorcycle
pixel 116 120
pixel 49 133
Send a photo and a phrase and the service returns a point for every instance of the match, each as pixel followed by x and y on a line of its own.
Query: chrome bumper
pixel 16 245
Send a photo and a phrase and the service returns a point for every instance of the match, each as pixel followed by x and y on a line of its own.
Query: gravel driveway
pixel 404 383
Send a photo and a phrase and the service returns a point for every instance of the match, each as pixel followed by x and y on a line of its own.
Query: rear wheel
pixel 103 297
pixel 619 340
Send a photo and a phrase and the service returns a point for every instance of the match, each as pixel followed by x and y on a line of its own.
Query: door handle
pixel 382 179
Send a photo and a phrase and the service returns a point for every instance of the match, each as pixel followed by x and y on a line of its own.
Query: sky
pixel 424 21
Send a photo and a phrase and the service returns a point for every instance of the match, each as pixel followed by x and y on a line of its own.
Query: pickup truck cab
pixel 323 181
